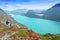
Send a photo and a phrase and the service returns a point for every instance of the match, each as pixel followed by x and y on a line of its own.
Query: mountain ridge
pixel 53 13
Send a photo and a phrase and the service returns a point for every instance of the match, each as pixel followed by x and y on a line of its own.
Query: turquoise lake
pixel 40 26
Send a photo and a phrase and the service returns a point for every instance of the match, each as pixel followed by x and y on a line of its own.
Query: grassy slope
pixel 3 28
pixel 4 17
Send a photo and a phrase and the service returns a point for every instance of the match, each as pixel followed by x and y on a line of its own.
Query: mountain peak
pixel 57 5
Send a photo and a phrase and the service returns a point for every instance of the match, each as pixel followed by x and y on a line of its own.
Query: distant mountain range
pixel 17 11
pixel 51 14
pixel 32 13
pixel 22 11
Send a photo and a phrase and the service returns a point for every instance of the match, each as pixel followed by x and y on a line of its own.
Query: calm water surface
pixel 41 26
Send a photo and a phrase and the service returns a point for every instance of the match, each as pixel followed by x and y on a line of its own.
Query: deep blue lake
pixel 41 26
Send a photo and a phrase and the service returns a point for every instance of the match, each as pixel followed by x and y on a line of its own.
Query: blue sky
pixel 27 4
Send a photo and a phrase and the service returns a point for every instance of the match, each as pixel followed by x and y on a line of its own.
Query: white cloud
pixel 8 7
pixel 40 14
pixel 23 6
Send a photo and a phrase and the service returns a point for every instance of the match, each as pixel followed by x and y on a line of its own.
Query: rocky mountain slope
pixel 53 13
pixel 4 17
